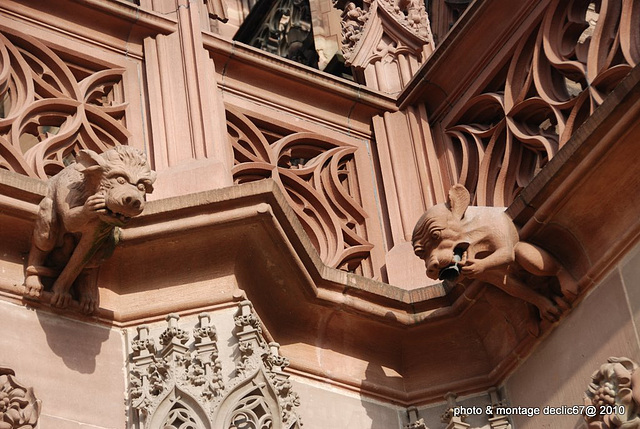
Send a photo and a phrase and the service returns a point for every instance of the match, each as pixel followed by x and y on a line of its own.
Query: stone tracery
pixel 319 179
pixel 558 75
pixel 50 109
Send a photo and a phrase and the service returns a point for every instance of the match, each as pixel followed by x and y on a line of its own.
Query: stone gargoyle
pixel 78 220
pixel 459 241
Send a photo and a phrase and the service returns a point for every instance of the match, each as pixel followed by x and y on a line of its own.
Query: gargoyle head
pixel 439 234
pixel 123 176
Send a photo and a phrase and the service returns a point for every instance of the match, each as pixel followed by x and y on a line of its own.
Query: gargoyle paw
pixel 88 304
pixel 562 303
pixel 568 286
pixel 60 299
pixel 33 286
pixel 549 311
pixel 95 204
pixel 472 268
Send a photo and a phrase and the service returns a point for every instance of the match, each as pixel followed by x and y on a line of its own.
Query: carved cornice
pixel 257 216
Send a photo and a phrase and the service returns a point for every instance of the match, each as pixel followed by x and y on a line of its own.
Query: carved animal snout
pixel 132 202
pixel 433 267
pixel 125 201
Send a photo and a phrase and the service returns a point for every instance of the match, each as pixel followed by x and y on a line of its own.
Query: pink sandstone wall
pixel 75 368
pixel 559 371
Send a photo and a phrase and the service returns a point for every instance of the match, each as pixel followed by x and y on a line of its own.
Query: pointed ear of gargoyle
pixel 459 200
pixel 90 162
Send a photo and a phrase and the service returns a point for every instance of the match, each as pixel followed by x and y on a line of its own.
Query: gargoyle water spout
pixel 482 243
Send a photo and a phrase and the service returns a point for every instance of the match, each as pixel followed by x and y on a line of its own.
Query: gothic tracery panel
pixel 319 178
pixel 50 108
pixel 180 417
pixel 556 78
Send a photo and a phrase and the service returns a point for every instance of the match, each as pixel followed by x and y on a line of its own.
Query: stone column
pixel 189 148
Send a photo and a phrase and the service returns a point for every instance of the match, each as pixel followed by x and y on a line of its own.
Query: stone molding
pixel 182 380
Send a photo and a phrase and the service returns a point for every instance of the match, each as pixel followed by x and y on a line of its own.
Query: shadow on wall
pixel 382 417
pixel 76 343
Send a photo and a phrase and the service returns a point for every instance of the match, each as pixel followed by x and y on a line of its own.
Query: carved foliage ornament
pixel 614 391
pixel 19 408
pixel 320 182
pixel 50 109
pixel 557 76
pixel 404 19
pixel 182 384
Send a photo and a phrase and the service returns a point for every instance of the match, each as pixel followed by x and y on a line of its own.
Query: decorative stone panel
pixel 613 396
pixel 178 381
pixel 319 178
pixel 51 108
pixel 557 76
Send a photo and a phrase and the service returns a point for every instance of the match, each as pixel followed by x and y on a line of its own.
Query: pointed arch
pixel 179 410
pixel 253 402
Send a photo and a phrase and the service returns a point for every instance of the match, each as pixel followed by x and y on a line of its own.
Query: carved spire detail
pixel 385 41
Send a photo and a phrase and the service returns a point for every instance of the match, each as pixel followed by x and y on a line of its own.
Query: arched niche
pixel 251 404
pixel 178 410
